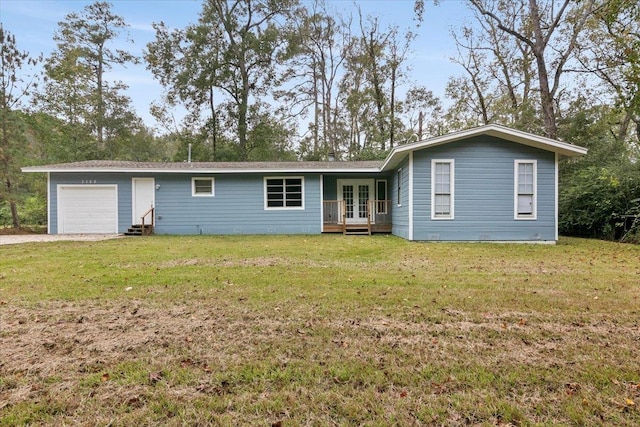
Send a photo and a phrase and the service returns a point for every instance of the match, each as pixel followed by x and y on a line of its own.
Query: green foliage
pixel 598 191
pixel 229 55
pixel 33 211
pixel 17 78
pixel 55 141
pixel 595 199
pixel 371 153
pixel 614 56
pixel 5 215
pixel 270 140
pixel 100 122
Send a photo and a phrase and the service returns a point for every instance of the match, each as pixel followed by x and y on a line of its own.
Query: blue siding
pixel 484 192
pixel 484 197
pixel 123 181
pixel 236 208
pixel 400 210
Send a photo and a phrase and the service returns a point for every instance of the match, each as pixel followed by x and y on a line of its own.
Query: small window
pixel 202 187
pixel 381 196
pixel 525 189
pixel 399 187
pixel 442 186
pixel 284 193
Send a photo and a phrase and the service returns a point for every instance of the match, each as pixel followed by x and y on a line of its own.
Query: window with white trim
pixel 442 189
pixel 525 189
pixel 202 187
pixel 381 196
pixel 284 192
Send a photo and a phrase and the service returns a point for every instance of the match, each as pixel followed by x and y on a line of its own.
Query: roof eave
pixel 562 148
pixel 197 170
pixel 392 161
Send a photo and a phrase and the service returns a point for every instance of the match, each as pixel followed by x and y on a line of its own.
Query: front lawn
pixel 318 330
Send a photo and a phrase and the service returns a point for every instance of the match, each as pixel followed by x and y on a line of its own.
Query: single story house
pixel 489 183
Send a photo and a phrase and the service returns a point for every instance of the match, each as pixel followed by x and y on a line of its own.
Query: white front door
pixel 355 194
pixel 144 198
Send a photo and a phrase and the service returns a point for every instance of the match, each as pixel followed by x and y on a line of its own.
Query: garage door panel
pixel 87 209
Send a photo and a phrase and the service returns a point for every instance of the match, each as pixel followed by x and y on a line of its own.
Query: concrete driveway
pixel 29 238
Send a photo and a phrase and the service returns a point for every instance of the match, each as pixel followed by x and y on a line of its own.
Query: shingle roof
pixel 207 167
pixel 392 161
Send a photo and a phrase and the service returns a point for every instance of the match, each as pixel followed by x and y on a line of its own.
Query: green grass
pixel 319 330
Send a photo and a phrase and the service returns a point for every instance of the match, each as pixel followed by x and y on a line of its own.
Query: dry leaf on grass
pixel 154 377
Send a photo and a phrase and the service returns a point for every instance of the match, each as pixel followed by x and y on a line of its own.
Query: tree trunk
pixel 100 121
pixel 214 125
pixel 14 214
pixel 4 157
pixel 376 81
pixel 546 97
pixel 392 105
pixel 15 219
pixel 243 109
pixel 242 127
pixel 316 111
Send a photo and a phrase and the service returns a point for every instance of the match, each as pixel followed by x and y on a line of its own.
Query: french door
pixel 355 194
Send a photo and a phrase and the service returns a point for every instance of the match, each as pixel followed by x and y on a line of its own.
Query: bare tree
pixel 550 30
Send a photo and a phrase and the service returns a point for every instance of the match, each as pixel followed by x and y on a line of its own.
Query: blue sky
pixel 34 22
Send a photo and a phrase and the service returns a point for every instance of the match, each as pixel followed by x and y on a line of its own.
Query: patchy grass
pixel 318 330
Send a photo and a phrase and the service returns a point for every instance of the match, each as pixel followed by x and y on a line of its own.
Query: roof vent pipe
pixel 189 156
pixel 332 156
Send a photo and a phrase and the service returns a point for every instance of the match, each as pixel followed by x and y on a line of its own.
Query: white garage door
pixel 87 209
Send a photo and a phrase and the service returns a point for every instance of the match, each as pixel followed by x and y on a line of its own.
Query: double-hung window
pixel 202 187
pixel 442 189
pixel 284 192
pixel 525 197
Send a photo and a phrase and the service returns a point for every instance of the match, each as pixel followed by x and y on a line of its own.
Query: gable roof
pixel 391 162
pixel 562 148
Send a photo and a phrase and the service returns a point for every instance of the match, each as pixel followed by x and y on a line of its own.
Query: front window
pixel 202 187
pixel 525 189
pixel 284 193
pixel 442 186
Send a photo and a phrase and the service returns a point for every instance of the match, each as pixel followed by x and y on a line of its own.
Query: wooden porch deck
pixel 378 218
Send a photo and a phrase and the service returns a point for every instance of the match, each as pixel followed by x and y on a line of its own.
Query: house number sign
pixel 89 181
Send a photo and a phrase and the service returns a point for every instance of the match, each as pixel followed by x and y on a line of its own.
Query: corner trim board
pixel 410 189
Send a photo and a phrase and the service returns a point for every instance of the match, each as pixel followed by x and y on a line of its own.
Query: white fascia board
pixel 562 148
pixel 565 149
pixel 196 171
